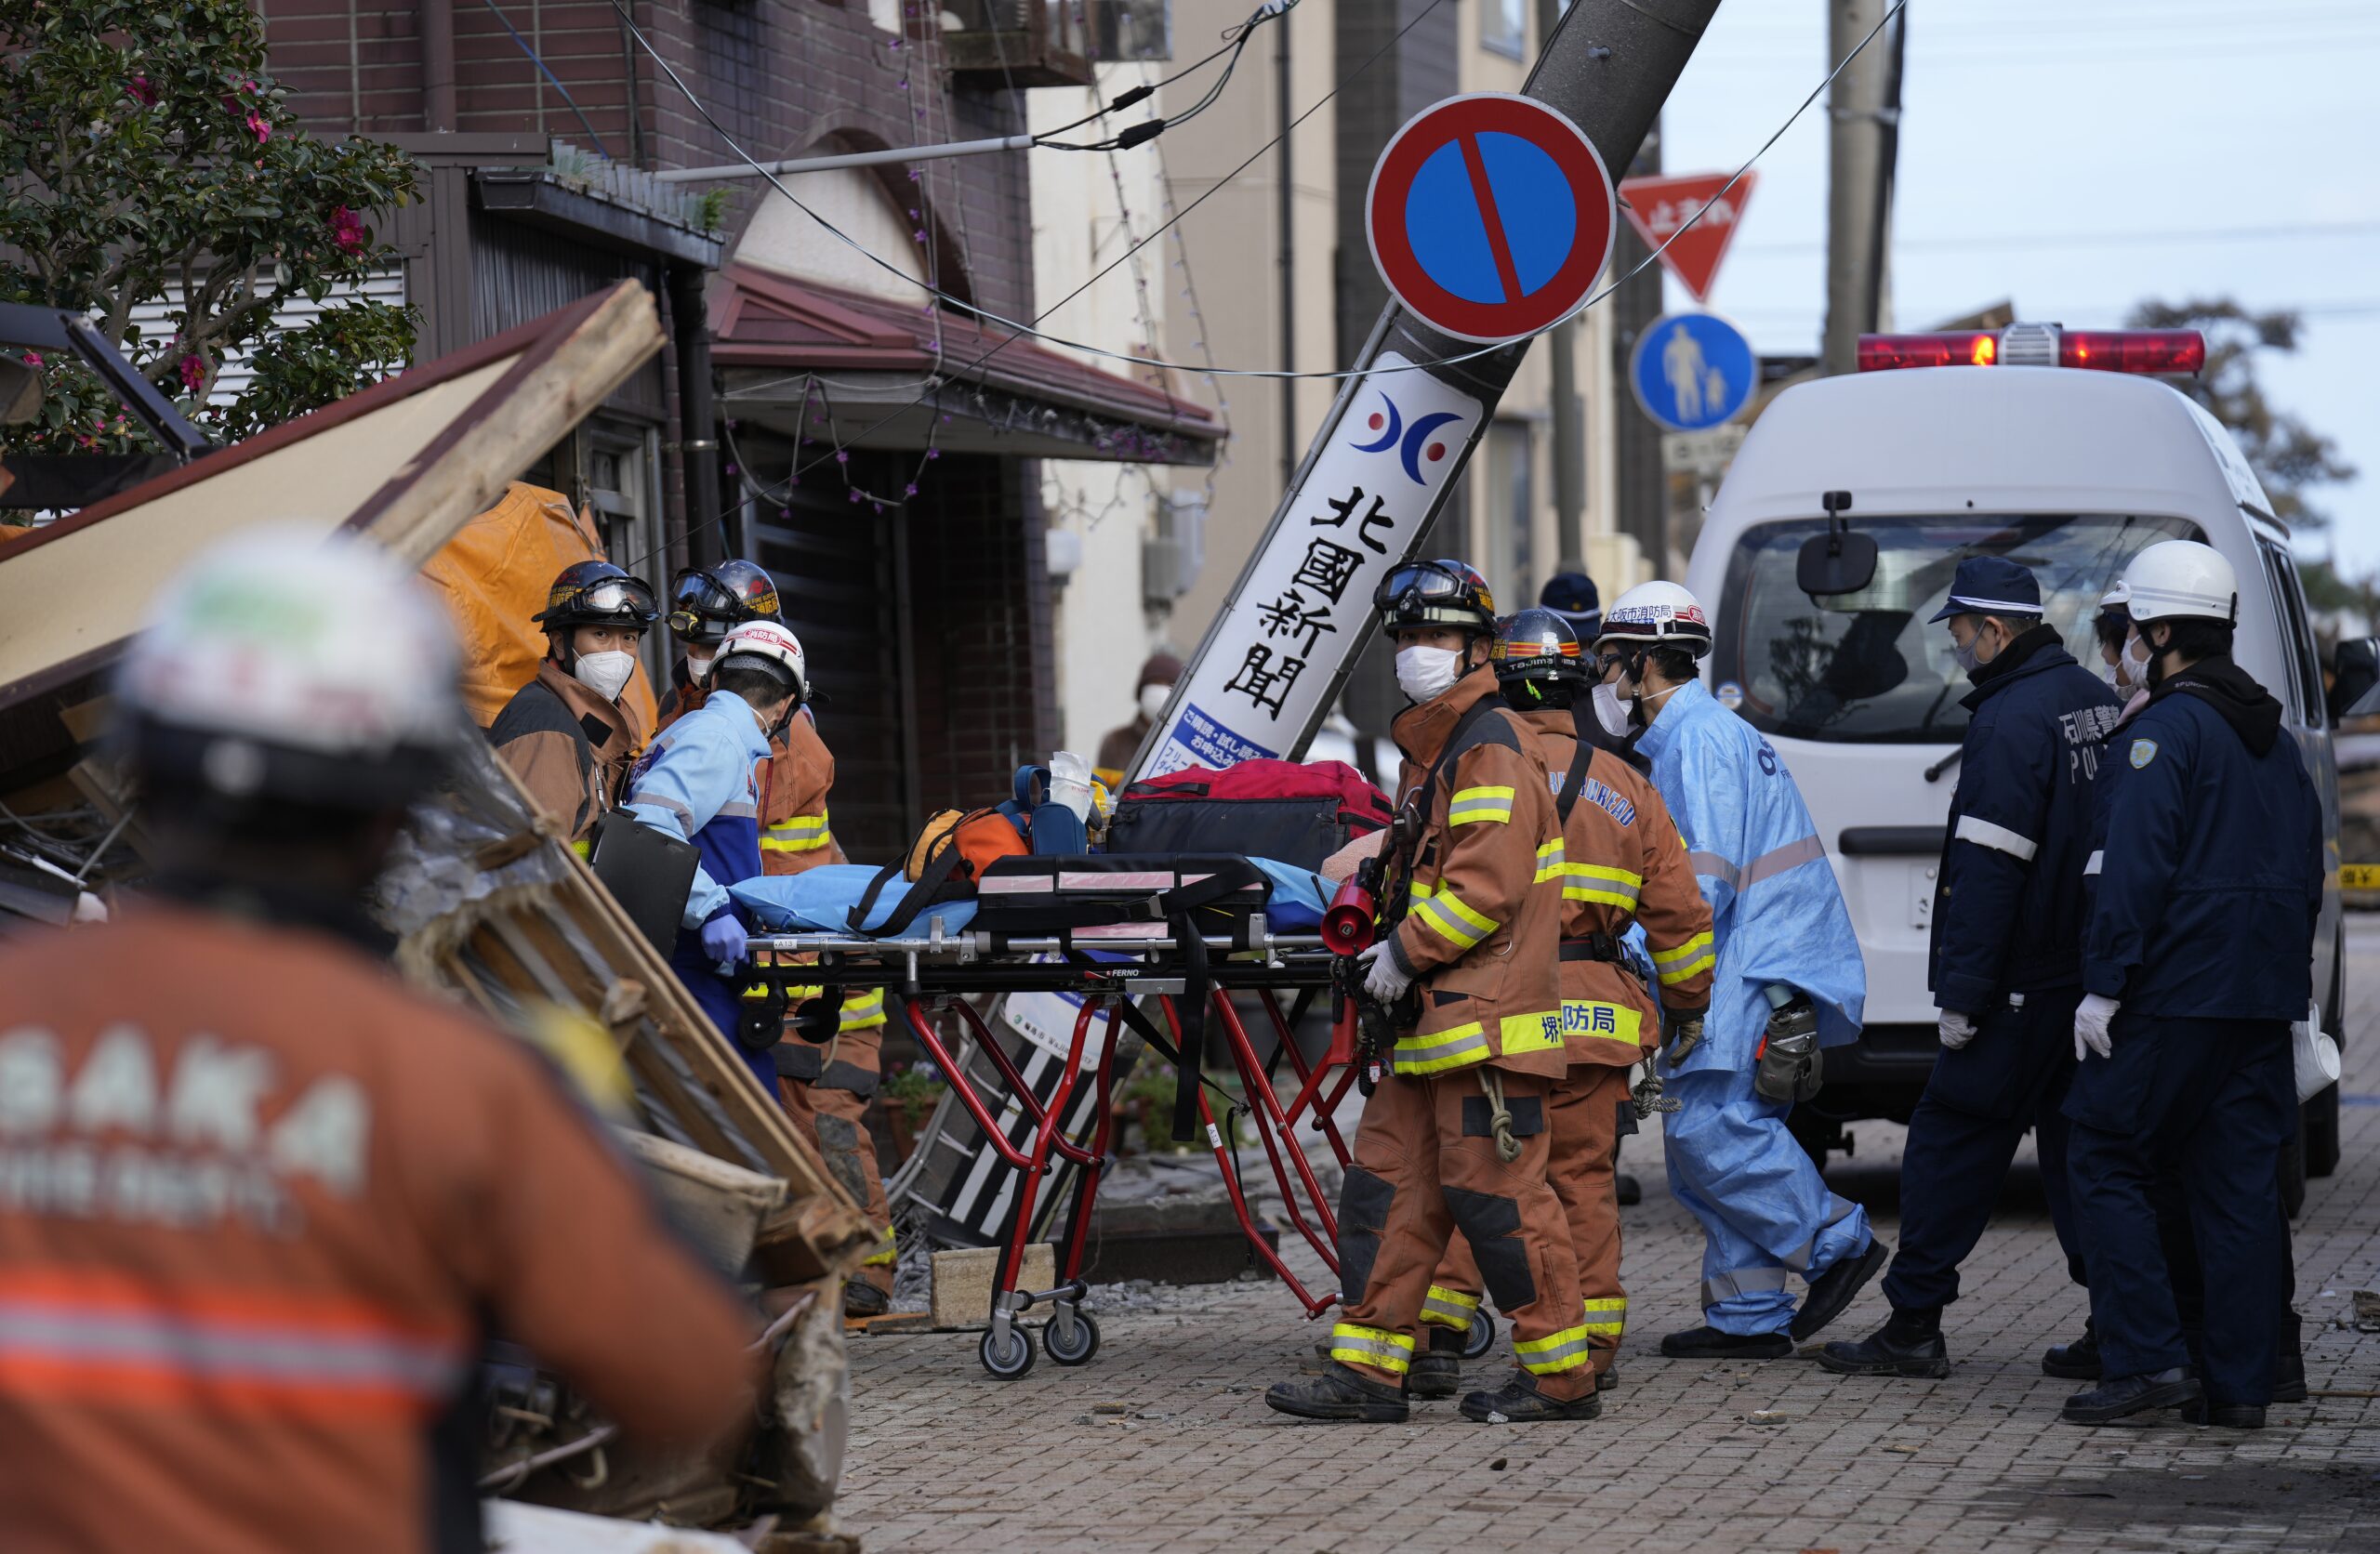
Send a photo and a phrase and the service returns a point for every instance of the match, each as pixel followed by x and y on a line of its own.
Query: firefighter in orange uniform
pixel 1620 861
pixel 566 734
pixel 825 1089
pixel 260 1204
pixel 1456 1135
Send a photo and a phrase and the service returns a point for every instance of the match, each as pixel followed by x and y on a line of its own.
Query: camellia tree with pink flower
pixel 146 157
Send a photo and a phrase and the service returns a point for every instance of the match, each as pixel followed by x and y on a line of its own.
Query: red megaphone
pixel 1347 924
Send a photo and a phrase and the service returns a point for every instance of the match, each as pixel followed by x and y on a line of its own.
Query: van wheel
pixel 2292 1170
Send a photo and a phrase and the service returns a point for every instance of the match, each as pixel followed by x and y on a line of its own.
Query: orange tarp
pixel 494 575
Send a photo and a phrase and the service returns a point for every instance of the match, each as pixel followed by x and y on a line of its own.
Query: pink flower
pixel 140 90
pixel 194 371
pixel 258 126
pixel 347 230
pixel 32 359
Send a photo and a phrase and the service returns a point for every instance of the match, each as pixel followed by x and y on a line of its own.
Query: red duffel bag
pixel 1296 812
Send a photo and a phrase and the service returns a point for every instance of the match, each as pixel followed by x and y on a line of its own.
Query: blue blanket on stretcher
pixel 819 900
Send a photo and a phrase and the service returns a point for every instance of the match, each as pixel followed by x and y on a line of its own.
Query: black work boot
pixel 1908 1344
pixel 1437 1370
pixel 1830 1292
pixel 2223 1416
pixel 1608 1379
pixel 863 1299
pixel 2289 1365
pixel 1709 1343
pixel 1342 1395
pixel 1520 1403
pixel 2127 1395
pixel 1628 1190
pixel 2078 1361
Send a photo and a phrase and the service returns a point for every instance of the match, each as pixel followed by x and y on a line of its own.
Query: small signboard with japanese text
pixel 1259 681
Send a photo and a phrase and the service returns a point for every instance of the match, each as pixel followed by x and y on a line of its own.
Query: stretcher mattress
pixel 819 900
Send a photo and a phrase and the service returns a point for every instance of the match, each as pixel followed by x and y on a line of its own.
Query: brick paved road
pixel 1162 1441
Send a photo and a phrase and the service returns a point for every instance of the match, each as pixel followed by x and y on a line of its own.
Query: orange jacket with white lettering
pixel 256 1199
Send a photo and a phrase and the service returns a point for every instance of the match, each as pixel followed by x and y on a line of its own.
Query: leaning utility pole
pixel 1609 65
pixel 1863 112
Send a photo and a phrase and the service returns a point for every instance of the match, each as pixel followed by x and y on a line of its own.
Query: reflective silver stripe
pixel 739 811
pixel 1984 834
pixel 685 816
pixel 221 1350
pixel 1351 1345
pixel 1717 867
pixel 1449 1308
pixel 1837 1210
pixel 1742 1281
pixel 2092 866
pixel 1792 855
pixel 1561 1351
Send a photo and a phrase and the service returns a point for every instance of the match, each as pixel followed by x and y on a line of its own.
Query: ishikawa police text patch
pixel 2143 752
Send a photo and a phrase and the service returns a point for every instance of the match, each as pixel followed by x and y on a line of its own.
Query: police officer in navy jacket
pixel 2005 966
pixel 2197 956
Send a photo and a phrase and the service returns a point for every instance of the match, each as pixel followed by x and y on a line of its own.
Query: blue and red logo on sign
pixel 1489 215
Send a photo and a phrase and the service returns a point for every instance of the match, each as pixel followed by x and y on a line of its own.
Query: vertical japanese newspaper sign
pixel 1260 681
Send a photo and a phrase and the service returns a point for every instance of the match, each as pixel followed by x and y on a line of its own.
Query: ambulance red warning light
pixel 2151 352
pixel 1660 208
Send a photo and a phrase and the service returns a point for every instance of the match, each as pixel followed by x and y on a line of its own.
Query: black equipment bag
pixel 648 873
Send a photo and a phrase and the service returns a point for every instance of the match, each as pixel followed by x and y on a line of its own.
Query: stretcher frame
pixel 936 973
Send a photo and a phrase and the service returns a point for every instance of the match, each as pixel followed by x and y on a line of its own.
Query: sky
pixel 2077 158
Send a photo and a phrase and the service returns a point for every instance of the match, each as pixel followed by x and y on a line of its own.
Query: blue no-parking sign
pixel 1489 215
pixel 1692 371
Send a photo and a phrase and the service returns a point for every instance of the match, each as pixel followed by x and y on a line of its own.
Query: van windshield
pixel 1865 668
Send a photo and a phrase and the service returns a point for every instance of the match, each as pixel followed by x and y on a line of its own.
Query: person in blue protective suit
pixel 699 783
pixel 2197 955
pixel 2006 961
pixel 1789 983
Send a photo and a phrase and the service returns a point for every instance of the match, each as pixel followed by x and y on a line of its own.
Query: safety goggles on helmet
pixel 596 593
pixel 708 602
pixel 1435 593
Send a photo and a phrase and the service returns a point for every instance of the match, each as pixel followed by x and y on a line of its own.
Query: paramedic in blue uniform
pixel 2006 962
pixel 1789 970
pixel 2197 956
pixel 698 782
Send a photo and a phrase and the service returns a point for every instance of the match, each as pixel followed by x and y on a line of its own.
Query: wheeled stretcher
pixel 1137 959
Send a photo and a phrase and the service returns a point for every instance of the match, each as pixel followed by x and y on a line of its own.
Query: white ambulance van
pixel 2021 444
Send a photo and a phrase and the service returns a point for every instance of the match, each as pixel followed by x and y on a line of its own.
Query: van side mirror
pixel 2355 676
pixel 1837 561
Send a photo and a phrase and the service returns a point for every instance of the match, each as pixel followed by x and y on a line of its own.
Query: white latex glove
pixel 1957 1030
pixel 2091 1026
pixel 1382 977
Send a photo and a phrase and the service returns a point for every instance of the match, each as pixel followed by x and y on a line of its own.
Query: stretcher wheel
pixel 1480 1336
pixel 1011 1361
pixel 1072 1343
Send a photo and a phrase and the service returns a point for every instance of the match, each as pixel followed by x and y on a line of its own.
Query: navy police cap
pixel 1990 586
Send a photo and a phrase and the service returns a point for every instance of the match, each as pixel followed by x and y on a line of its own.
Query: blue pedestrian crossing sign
pixel 1693 371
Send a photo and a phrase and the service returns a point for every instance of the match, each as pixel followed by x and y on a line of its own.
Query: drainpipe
pixel 437 112
pixel 698 420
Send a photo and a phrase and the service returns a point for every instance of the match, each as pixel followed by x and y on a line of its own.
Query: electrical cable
pixel 584 122
pixel 1023 330
pixel 1020 331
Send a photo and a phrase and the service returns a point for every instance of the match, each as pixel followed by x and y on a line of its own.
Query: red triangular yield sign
pixel 1658 207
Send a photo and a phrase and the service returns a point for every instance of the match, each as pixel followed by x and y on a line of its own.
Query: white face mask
pixel 2132 666
pixel 1152 700
pixel 605 673
pixel 1610 711
pixel 699 664
pixel 1425 674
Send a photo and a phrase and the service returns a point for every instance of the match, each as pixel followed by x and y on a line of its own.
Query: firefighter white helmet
pixel 2181 580
pixel 1656 615
pixel 766 645
pixel 282 665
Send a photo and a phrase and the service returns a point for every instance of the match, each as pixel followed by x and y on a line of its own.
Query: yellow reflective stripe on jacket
pixel 1584 1017
pixel 1531 1032
pixel 1594 882
pixel 1449 1308
pixel 885 1254
pixel 1440 1050
pixel 1455 922
pixel 1355 1345
pixel 797 834
pixel 1556 1352
pixel 1606 1318
pixel 1676 966
pixel 861 1009
pixel 1549 861
pixel 585 847
pixel 1470 805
